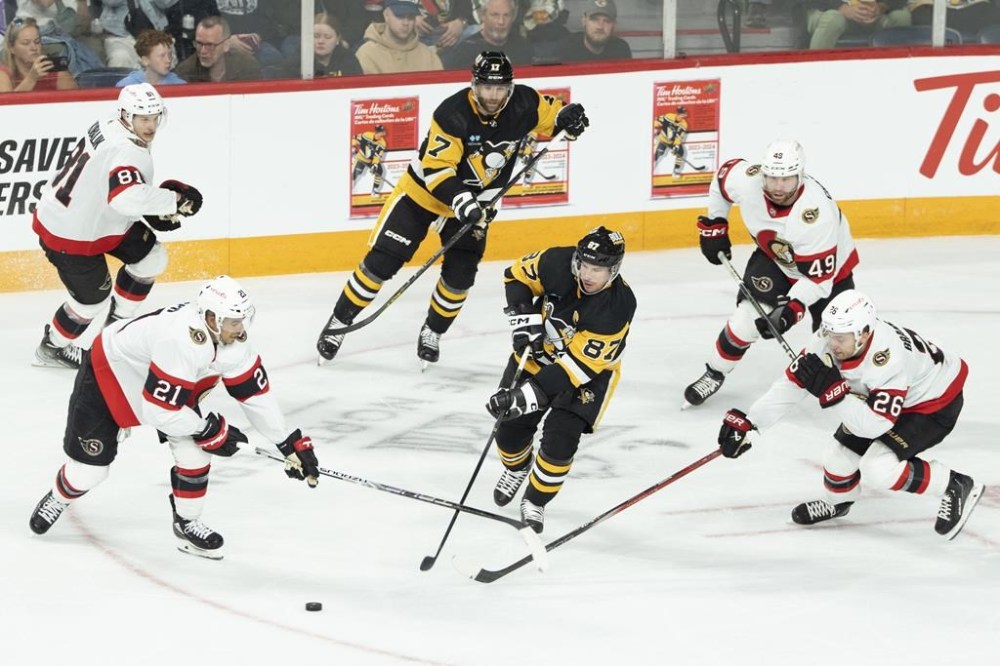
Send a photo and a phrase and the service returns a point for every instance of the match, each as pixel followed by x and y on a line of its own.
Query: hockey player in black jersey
pixel 570 309
pixel 468 155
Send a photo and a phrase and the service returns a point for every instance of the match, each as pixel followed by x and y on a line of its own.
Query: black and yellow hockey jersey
pixel 464 151
pixel 584 334
pixel 369 148
pixel 672 129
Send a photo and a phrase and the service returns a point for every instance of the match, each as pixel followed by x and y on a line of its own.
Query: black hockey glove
pixel 218 437
pixel 163 222
pixel 678 150
pixel 713 236
pixel 510 404
pixel 526 330
pixel 190 199
pixel 573 119
pixel 300 458
pixel 820 377
pixel 467 208
pixel 733 435
pixel 783 317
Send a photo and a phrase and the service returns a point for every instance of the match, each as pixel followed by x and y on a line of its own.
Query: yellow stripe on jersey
pixel 616 374
pixel 525 271
pixel 590 353
pixel 441 157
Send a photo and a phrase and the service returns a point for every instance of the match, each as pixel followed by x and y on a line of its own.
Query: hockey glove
pixel 783 317
pixel 190 200
pixel 678 150
pixel 526 330
pixel 466 207
pixel 300 458
pixel 510 404
pixel 218 437
pixel 713 236
pixel 163 222
pixel 573 119
pixel 820 377
pixel 733 436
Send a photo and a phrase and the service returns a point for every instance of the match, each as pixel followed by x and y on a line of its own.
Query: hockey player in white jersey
pixel 897 396
pixel 153 370
pixel 93 207
pixel 804 256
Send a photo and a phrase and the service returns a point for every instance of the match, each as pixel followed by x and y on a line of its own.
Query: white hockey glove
pixel 466 207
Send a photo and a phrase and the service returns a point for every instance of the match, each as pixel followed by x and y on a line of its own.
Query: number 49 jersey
pixel 810 241
pixel 99 193
pixel 898 373
pixel 155 369
pixel 584 334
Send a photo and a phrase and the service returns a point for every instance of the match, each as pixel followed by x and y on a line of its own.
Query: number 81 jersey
pixel 91 203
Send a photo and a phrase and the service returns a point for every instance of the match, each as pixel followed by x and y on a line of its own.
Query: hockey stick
pixel 694 166
pixel 530 164
pixel 531 539
pixel 756 306
pixel 541 175
pixel 429 560
pixel 490 575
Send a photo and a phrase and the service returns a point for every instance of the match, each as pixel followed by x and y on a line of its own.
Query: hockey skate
pixel 810 513
pixel 960 498
pixel 704 387
pixel 195 537
pixel 428 345
pixel 329 343
pixel 46 513
pixel 49 355
pixel 533 515
pixel 508 485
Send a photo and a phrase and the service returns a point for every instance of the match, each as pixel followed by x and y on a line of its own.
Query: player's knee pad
pixel 80 477
pixel 840 460
pixel 380 264
pixel 741 323
pixel 561 435
pixel 460 268
pixel 187 454
pixel 513 437
pixel 150 266
pixel 880 466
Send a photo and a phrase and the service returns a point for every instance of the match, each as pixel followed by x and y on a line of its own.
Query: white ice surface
pixel 709 570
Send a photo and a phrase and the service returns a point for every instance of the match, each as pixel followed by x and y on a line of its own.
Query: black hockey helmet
pixel 492 67
pixel 600 247
pixel 682 110
pixel 380 128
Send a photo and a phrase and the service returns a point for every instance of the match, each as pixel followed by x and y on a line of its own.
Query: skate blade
pixel 685 405
pixel 190 549
pixel 44 363
pixel 970 503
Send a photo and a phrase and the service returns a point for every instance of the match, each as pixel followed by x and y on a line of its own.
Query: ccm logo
pixel 396 237
pixel 712 232
pixel 519 320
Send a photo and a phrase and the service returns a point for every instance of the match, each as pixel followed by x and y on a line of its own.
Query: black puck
pixel 314 606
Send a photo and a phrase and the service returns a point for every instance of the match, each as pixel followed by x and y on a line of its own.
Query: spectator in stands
pixel 444 23
pixel 213 61
pixel 156 54
pixel 330 58
pixel 59 22
pixel 598 40
pixel 355 16
pixel 181 21
pixel 827 20
pixel 24 68
pixel 122 20
pixel 393 47
pixel 757 14
pixel 496 33
pixel 544 24
pixel 966 16
pixel 257 31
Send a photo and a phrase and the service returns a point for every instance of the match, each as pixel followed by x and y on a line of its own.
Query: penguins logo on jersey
pixel 489 161
pixel 558 333
pixel 92 447
pixel 586 396
pixel 881 358
pixel 810 215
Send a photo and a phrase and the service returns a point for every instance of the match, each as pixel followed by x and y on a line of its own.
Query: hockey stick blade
pixel 490 575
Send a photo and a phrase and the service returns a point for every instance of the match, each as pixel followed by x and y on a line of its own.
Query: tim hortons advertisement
pixel 384 138
pixel 547 183
pixel 685 147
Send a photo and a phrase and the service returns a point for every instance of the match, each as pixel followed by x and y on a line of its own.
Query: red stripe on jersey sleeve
pixel 251 383
pixel 121 178
pixel 723 174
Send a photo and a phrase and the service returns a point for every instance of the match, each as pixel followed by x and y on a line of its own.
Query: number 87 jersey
pixel 100 191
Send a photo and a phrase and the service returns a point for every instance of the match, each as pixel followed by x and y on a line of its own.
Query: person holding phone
pixel 24 67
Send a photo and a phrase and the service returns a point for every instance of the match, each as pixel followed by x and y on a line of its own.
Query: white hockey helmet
pixel 783 158
pixel 139 99
pixel 225 299
pixel 850 311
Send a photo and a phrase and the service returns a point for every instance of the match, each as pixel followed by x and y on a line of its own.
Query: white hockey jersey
pixel 810 241
pixel 99 193
pixel 154 369
pixel 898 373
